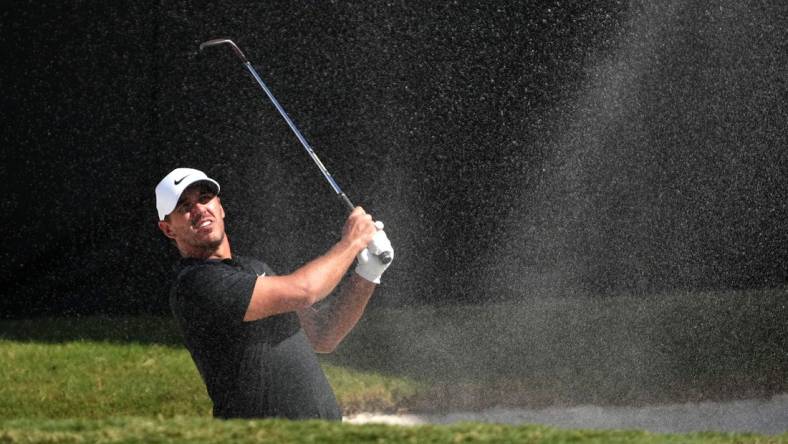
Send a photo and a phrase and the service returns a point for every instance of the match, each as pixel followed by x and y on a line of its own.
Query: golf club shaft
pixel 385 257
pixel 300 137
pixel 248 65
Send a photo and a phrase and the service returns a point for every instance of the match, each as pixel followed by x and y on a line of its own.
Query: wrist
pixel 352 247
pixel 366 275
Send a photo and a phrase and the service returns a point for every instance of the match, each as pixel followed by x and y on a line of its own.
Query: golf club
pixel 384 257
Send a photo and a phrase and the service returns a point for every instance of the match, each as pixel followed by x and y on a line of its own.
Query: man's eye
pixel 205 198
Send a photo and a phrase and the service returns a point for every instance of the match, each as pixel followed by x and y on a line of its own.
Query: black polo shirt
pixel 263 368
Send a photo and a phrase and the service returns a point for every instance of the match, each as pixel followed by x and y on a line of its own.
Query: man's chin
pixel 208 245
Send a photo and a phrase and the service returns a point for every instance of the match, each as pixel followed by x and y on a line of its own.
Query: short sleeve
pixel 215 293
pixel 268 270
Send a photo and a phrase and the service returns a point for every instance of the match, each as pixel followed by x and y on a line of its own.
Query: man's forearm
pixel 304 287
pixel 328 326
pixel 322 274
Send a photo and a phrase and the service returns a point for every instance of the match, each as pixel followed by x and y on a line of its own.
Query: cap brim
pixel 212 183
pixel 189 182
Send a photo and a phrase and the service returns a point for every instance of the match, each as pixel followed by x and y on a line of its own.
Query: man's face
pixel 197 222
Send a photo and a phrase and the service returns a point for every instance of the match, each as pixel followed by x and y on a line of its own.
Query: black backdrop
pixel 510 147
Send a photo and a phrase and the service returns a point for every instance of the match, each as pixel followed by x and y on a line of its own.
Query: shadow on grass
pixel 137 329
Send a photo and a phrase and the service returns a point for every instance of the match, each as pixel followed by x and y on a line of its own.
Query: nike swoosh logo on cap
pixel 181 179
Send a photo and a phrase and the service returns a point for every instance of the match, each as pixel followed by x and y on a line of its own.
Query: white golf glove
pixel 369 266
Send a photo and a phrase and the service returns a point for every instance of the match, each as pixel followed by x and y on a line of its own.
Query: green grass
pixel 94 379
pixel 100 379
pixel 87 379
pixel 204 430
pixel 534 352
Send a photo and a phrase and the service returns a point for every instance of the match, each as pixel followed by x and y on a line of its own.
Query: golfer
pixel 252 334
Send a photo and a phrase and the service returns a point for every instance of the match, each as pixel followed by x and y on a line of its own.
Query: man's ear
pixel 165 228
pixel 220 206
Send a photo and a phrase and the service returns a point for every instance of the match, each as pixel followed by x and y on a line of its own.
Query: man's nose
pixel 199 208
pixel 196 211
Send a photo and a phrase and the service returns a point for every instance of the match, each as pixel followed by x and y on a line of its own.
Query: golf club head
pixel 214 42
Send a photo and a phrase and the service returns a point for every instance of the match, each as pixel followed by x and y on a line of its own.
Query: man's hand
pixel 359 229
pixel 369 266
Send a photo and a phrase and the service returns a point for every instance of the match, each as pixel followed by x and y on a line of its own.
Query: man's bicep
pixel 274 295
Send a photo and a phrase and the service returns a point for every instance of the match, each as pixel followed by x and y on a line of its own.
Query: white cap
pixel 169 190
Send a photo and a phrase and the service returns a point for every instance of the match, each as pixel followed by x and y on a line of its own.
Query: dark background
pixel 510 147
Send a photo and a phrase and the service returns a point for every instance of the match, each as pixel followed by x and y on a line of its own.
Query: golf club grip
pixel 346 201
pixel 385 257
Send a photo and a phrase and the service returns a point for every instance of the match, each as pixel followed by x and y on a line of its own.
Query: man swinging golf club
pixel 252 334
